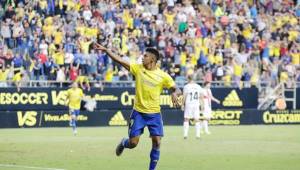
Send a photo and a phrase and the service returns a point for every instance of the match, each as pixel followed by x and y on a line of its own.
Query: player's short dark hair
pixel 154 52
pixel 190 77
pixel 206 82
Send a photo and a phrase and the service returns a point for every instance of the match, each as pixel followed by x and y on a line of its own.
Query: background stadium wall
pixel 113 98
pixel 17 119
pixel 45 107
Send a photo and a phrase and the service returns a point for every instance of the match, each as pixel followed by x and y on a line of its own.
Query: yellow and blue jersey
pixel 149 85
pixel 75 95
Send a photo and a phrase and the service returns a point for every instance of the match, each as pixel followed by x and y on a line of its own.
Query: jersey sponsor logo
pixel 127 99
pixel 118 120
pixel 232 99
pixel 28 118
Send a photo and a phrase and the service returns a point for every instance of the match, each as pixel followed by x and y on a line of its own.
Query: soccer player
pixel 74 95
pixel 149 83
pixel 207 97
pixel 191 104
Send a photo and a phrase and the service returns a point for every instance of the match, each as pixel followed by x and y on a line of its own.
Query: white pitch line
pixel 27 167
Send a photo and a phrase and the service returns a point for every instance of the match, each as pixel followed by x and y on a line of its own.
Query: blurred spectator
pixel 3 75
pixel 84 82
pixel 17 80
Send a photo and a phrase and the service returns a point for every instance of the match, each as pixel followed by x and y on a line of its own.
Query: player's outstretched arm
pixel 113 56
pixel 215 100
pixel 175 93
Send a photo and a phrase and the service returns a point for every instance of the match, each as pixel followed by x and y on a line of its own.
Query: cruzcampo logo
pixel 232 99
pixel 118 120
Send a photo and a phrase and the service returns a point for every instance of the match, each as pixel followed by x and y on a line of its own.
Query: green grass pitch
pixel 227 148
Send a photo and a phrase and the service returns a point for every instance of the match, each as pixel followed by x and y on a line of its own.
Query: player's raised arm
pixel 214 99
pixel 113 56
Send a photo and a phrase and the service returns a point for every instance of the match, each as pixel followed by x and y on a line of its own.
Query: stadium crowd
pixel 232 40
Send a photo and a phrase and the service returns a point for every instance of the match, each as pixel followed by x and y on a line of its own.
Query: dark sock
pixel 154 157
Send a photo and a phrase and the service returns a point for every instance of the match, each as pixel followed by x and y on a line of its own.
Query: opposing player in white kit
pixel 190 106
pixel 207 97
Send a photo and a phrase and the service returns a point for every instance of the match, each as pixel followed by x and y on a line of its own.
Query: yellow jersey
pixel 58 37
pixel 170 18
pixel 17 77
pixel 211 59
pixel 90 32
pixel 59 58
pixel 49 21
pixel 183 57
pixel 52 49
pixel 80 30
pixel 295 58
pixel 238 70
pixel 48 30
pixel 148 87
pixel 74 96
pixel 293 35
pixel 283 77
pixel 109 75
pixel 85 45
pixel 3 75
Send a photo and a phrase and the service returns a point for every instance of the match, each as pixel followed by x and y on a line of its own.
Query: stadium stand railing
pixel 215 84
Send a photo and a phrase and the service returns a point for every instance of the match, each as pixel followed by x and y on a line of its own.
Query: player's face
pixel 148 58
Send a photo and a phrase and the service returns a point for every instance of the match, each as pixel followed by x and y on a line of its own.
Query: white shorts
pixel 192 112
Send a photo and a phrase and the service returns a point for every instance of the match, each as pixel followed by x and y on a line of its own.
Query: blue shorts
pixel 139 120
pixel 74 112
